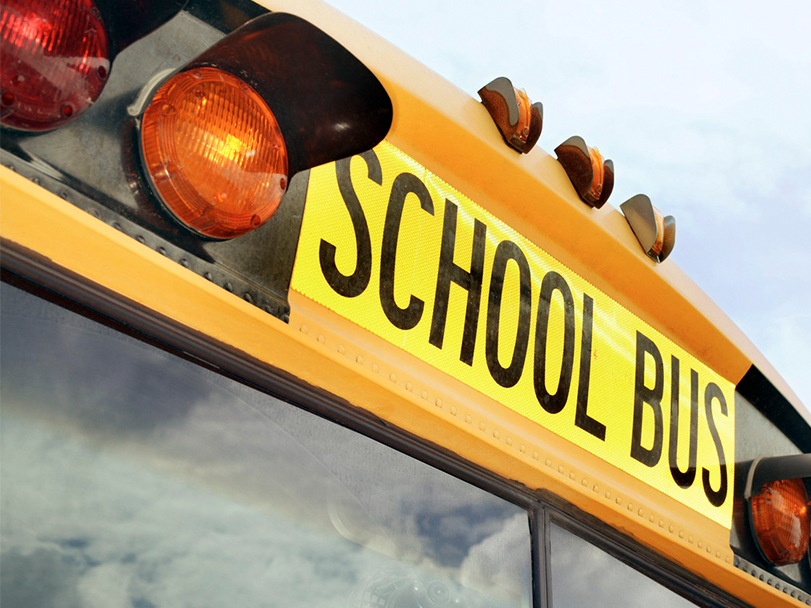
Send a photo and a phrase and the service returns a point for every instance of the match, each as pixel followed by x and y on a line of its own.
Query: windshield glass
pixel 133 478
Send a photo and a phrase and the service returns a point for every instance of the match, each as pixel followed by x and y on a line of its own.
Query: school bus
pixel 287 319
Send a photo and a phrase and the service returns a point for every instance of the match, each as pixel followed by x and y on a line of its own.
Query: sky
pixel 703 106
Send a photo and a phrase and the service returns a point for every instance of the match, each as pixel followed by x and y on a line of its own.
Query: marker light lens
pixel 781 520
pixel 55 58
pixel 214 153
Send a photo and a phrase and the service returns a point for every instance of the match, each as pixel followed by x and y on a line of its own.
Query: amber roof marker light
pixel 591 176
pixel 223 136
pixel 654 231
pixel 519 121
pixel 778 508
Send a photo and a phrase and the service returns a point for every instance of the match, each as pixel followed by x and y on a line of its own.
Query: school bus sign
pixel 393 248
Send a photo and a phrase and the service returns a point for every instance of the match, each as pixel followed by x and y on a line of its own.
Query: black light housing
pixel 328 104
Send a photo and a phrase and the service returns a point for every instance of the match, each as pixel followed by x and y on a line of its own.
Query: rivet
pixel 248 298
pixel 535 455
pixel 375 368
pixel 596 488
pixel 496 434
pixel 700 544
pixel 228 286
pixel 509 440
pixel 619 500
pixel 690 540
pixel 424 395
pixel 523 449
pixel 670 528
pixel 305 330
pixel 393 377
pixel 439 403
pixel 661 524
pixel 630 506
pixel 482 426
pixel 359 359
pixel 409 387
pixel 468 418
pixel 453 410
pixel 572 476
pixel 549 462
pixel 681 533
pixel 341 349
pixel 162 250
pixel 585 482
pixel 560 470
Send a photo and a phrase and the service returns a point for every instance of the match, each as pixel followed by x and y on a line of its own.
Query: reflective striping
pixel 393 248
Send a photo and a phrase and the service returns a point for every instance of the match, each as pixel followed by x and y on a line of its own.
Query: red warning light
pixel 54 61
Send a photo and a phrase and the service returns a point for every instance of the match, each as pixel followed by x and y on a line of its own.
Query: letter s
pixel 354 284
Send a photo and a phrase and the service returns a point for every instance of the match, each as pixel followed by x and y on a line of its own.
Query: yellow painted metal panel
pixel 401 253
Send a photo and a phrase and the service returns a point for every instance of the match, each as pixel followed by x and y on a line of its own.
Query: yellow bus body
pixel 452 135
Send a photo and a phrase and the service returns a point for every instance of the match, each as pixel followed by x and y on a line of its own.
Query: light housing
pixel 321 104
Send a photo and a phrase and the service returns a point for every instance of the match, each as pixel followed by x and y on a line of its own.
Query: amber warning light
pixel 222 138
pixel 214 153
pixel 780 520
pixel 779 509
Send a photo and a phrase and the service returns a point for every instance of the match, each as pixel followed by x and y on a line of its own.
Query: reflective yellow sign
pixel 393 248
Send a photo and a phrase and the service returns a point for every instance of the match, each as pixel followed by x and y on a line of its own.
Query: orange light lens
pixel 214 153
pixel 597 171
pixel 781 520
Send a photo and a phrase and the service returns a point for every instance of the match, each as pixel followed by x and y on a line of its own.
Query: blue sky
pixel 703 106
